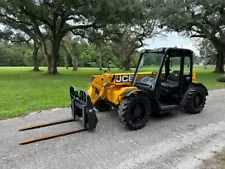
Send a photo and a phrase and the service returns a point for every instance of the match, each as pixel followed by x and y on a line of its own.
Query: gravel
pixel 175 140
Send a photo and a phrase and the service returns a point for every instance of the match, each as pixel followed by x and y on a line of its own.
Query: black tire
pixel 134 104
pixel 195 100
pixel 102 106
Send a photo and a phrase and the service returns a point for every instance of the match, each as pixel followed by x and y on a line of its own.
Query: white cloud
pixel 172 40
pixel 191 46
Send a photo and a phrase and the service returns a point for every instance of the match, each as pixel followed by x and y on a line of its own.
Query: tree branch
pixel 14 20
pixel 33 16
pixel 141 44
pixel 198 36
pixel 71 28
pixel 79 34
pixel 41 38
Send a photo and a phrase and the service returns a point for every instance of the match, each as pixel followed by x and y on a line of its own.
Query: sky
pixel 172 40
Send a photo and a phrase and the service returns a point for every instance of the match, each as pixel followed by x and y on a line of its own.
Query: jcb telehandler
pixel 150 90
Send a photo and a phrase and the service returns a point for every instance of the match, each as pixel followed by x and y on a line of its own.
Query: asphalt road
pixel 175 140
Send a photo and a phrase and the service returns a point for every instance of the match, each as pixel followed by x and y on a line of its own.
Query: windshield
pixel 148 69
pixel 151 63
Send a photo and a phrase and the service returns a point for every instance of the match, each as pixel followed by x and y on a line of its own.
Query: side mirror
pixel 141 62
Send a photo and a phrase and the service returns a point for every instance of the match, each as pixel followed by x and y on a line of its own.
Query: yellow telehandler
pixel 150 90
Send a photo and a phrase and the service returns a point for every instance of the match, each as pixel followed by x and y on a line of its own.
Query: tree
pixel 198 18
pixel 196 59
pixel 207 52
pixel 14 54
pixel 129 37
pixel 49 21
pixel 74 50
pixel 44 20
pixel 16 37
pixel 98 39
pixel 35 56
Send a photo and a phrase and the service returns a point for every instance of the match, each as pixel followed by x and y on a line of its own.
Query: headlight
pixel 105 84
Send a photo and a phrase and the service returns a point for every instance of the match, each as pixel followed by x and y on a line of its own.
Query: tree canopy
pixel 120 26
pixel 198 18
pixel 49 21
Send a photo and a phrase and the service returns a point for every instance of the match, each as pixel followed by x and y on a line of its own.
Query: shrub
pixel 221 78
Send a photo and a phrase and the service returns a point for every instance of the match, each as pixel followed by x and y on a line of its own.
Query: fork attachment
pixel 82 110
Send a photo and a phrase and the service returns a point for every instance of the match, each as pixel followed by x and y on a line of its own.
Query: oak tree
pixel 198 18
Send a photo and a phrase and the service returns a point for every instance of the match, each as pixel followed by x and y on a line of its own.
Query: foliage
pixel 21 55
pixel 13 55
pixel 129 37
pixel 152 59
pixel 198 18
pixel 221 78
pixel 73 49
pixel 207 52
pixel 13 36
pixel 196 59
pixel 48 22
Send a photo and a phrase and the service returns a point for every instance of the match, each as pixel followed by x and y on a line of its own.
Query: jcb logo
pixel 124 78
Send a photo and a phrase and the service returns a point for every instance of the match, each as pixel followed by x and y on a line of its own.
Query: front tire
pixel 134 111
pixel 195 100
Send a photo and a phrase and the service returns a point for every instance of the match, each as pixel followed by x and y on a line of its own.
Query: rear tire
pixel 195 100
pixel 134 111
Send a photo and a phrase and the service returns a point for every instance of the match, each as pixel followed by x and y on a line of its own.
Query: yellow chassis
pixel 110 86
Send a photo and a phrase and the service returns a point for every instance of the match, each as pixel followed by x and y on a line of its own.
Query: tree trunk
pixel 220 48
pixel 52 65
pixel 220 63
pixel 117 52
pixel 120 62
pixel 75 64
pixel 35 57
pixel 66 62
pixel 205 66
pixel 74 59
pixel 74 67
pixel 127 63
pixel 54 58
pixel 100 60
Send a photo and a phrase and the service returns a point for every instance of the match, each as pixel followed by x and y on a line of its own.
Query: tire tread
pixel 124 108
pixel 189 100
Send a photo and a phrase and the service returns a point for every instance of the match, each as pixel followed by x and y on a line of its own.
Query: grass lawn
pixel 221 158
pixel 23 90
pixel 216 162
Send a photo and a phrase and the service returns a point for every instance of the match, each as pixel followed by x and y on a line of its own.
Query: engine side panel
pixel 110 86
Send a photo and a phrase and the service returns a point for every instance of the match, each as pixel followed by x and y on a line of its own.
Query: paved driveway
pixel 175 140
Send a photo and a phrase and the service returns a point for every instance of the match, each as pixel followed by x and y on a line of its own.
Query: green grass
pixel 222 159
pixel 208 78
pixel 216 162
pixel 23 90
pixel 219 160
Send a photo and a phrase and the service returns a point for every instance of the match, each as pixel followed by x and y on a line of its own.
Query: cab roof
pixel 170 51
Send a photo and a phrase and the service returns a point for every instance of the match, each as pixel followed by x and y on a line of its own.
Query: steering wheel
pixel 146 80
pixel 150 81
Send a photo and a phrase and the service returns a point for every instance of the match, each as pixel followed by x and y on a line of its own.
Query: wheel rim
pixel 138 113
pixel 198 100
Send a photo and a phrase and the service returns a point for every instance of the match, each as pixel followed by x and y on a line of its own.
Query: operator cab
pixel 170 74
